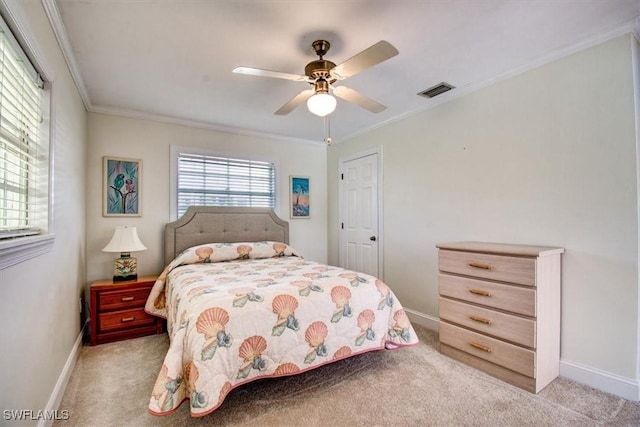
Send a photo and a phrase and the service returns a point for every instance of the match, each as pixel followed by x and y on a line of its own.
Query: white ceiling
pixel 172 59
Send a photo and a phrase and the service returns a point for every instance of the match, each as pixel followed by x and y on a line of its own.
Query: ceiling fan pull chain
pixel 327 129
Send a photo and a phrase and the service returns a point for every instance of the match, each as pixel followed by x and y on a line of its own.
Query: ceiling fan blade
pixel 357 98
pixel 369 57
pixel 267 73
pixel 295 102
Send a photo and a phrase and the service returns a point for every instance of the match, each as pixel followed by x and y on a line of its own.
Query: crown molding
pixel 51 8
pixel 60 31
pixel 198 124
pixel 631 26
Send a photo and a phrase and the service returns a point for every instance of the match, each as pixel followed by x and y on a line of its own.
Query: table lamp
pixel 125 240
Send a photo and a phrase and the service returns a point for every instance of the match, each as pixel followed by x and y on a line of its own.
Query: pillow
pixel 218 252
pixel 213 252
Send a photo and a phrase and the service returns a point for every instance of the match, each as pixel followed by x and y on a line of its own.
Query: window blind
pixel 218 181
pixel 20 142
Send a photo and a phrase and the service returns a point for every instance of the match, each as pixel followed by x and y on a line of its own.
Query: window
pixel 222 181
pixel 24 155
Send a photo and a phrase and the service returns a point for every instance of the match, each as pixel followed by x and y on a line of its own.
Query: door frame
pixel 341 203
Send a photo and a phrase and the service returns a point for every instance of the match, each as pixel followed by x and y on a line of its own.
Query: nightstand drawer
pixel 518 330
pixel 117 310
pixel 123 299
pixel 510 356
pixel 124 319
pixel 494 267
pixel 516 299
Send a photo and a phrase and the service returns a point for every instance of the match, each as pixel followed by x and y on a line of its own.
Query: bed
pixel 241 304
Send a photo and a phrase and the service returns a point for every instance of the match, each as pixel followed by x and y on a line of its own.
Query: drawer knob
pixel 124 299
pixel 480 347
pixel 480 265
pixel 480 320
pixel 127 319
pixel 480 292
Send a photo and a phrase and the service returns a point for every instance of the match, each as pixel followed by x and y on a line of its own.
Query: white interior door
pixel 360 243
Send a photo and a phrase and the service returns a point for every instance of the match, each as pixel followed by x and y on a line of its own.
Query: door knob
pixel 372 238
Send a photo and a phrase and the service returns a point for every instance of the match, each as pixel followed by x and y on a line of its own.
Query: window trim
pixel 175 151
pixel 14 251
pixel 21 249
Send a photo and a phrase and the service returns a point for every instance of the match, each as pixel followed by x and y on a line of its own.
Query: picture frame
pixel 299 197
pixel 121 187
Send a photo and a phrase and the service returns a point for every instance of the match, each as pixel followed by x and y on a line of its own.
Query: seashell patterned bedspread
pixel 243 311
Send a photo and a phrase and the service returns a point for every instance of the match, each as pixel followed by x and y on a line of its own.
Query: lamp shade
pixel 321 104
pixel 125 239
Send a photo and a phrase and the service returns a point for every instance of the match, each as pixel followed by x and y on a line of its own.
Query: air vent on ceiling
pixel 436 90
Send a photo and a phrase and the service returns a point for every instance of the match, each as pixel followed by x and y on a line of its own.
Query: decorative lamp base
pixel 125 268
pixel 125 278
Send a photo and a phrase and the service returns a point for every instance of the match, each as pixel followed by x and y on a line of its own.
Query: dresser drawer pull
pixel 124 299
pixel 480 347
pixel 480 320
pixel 480 292
pixel 128 319
pixel 480 265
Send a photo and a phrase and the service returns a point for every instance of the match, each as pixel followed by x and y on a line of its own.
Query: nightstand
pixel 117 310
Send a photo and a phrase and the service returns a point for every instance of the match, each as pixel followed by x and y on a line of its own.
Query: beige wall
pixel 39 298
pixel 636 92
pixel 546 157
pixel 151 141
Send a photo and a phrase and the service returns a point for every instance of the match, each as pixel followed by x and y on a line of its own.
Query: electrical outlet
pixel 83 311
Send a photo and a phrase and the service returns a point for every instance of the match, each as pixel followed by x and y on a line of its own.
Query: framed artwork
pixel 299 196
pixel 121 187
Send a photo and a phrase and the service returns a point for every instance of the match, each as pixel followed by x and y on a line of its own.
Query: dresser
pixel 117 310
pixel 500 309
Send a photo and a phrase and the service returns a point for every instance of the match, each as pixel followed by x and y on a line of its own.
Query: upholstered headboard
pixel 214 224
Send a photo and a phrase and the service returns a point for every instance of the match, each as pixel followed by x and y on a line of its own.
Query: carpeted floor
pixel 111 385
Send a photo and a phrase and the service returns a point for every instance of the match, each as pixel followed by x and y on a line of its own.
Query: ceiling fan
pixel 322 73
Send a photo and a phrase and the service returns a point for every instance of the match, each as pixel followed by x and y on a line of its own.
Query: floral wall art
pixel 122 187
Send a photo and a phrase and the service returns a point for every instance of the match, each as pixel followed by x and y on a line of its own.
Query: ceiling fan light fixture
pixel 321 104
pixel 321 73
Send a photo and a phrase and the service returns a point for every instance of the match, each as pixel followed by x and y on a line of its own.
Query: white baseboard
pixel 429 322
pixel 58 391
pixel 598 379
pixel 602 380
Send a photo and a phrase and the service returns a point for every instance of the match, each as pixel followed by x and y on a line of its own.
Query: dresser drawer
pixel 515 299
pixel 124 319
pixel 518 330
pixel 495 267
pixel 501 353
pixel 123 298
